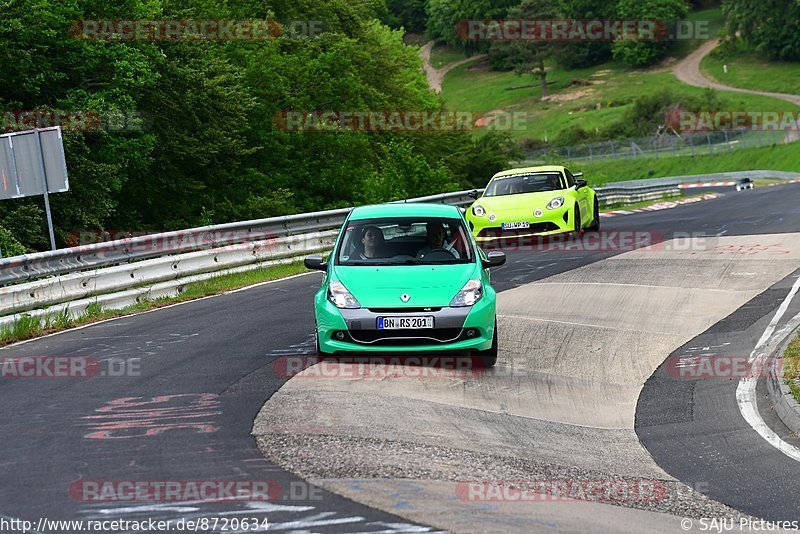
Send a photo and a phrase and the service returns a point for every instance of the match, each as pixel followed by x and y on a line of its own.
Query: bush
pixel 9 246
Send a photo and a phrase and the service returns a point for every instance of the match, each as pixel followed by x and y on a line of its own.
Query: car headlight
pixel 469 294
pixel 555 203
pixel 341 297
pixel 478 211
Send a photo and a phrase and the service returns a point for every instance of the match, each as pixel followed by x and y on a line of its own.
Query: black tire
pixel 487 358
pixel 317 351
pixel 577 230
pixel 595 226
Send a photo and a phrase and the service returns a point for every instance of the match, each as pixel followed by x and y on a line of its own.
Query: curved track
pixel 207 367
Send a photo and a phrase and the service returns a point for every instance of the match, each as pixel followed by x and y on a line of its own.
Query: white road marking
pixel 746 390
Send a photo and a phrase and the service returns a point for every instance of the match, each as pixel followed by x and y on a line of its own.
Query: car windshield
pixel 523 183
pixel 405 241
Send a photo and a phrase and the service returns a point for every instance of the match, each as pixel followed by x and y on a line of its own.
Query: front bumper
pixel 550 223
pixel 451 332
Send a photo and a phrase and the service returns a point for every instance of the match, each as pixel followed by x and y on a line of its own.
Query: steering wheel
pixel 438 254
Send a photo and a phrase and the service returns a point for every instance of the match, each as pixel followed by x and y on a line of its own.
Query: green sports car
pixel 533 201
pixel 406 277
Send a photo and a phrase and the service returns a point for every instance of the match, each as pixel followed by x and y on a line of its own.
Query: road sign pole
pixel 44 189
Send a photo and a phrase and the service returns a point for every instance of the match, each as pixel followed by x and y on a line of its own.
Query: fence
pixel 694 144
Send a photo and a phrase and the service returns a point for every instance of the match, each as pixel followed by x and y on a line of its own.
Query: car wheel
pixel 487 358
pixel 595 226
pixel 577 230
pixel 317 351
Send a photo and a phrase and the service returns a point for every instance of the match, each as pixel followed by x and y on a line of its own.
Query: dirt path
pixel 436 76
pixel 688 71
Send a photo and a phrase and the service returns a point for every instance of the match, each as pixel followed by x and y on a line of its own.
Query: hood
pixel 513 202
pixel 427 285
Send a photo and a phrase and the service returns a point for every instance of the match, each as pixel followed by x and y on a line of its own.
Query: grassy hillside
pixel 610 91
pixel 749 70
pixel 591 97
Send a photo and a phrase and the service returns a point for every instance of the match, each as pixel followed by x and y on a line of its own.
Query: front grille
pixel 535 228
pixel 406 337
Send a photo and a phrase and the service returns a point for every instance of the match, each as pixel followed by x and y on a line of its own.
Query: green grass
pixel 442 55
pixel 750 70
pixel 777 158
pixel 28 327
pixel 791 367
pixel 467 88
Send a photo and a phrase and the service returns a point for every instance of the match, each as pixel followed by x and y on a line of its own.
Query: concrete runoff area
pixel 575 350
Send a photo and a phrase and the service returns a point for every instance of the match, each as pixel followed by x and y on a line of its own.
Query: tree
pixel 770 26
pixel 528 58
pixel 647 50
pixel 585 53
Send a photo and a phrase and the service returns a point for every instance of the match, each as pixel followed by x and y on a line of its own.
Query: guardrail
pixel 117 273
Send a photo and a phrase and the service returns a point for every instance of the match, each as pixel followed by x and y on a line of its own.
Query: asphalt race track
pixel 204 370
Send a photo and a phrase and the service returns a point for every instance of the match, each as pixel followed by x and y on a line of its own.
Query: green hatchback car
pixel 406 277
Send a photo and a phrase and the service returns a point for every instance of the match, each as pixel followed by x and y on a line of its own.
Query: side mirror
pixel 495 258
pixel 315 262
pixel 580 183
pixel 473 194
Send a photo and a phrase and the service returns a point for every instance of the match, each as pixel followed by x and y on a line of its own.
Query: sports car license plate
pixel 400 323
pixel 515 225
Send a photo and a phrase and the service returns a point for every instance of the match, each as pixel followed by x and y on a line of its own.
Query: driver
pixel 436 240
pixel 372 241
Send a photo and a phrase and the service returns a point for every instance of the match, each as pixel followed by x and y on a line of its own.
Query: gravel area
pixel 360 458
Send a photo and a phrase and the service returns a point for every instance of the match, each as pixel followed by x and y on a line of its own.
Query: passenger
pixel 436 240
pixel 372 241
pixel 515 187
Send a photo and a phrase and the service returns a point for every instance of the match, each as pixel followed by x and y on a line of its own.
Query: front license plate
pixel 515 225
pixel 401 323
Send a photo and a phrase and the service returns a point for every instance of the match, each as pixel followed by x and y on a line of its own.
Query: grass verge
pixel 648 203
pixel 791 367
pixel 749 70
pixel 28 327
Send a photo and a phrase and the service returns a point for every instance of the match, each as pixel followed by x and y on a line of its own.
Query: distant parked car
pixel 744 183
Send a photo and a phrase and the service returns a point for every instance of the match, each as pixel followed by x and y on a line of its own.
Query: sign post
pixel 33 163
pixel 44 189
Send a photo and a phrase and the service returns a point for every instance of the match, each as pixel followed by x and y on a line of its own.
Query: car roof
pixel 404 209
pixel 529 170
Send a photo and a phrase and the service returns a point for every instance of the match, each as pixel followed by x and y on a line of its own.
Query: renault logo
pixel 405 297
